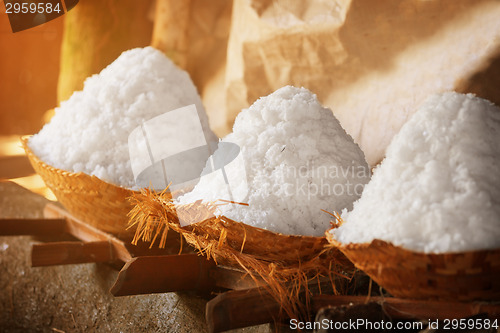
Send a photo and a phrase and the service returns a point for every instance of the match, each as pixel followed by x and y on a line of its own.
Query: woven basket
pixel 467 276
pixel 154 214
pixel 286 263
pixel 261 244
pixel 100 204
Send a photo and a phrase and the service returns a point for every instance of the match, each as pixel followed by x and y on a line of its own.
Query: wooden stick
pixel 35 227
pixel 224 312
pixel 65 253
pixel 160 274
pixel 149 272
pixel 87 233
pixel 241 308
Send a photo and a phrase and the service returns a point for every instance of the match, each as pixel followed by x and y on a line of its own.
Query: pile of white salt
pixel 89 132
pixel 297 161
pixel 438 189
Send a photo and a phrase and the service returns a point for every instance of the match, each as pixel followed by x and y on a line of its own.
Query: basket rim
pixel 251 227
pixel 273 233
pixel 81 175
pixel 379 244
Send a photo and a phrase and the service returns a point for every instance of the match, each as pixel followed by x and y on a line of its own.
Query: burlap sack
pixel 371 62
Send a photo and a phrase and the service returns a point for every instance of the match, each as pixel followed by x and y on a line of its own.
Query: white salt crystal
pixel 438 189
pixel 89 132
pixel 297 159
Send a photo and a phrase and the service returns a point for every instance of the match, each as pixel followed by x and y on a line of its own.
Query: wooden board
pixel 143 270
pixel 242 308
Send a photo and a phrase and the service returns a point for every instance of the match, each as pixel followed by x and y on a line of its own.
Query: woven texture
pixel 260 243
pixel 466 276
pixel 286 263
pixel 155 213
pixel 87 198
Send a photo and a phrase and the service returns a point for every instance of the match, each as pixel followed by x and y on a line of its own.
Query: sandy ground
pixel 75 298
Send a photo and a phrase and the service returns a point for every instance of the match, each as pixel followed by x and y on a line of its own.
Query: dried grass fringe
pixel 286 271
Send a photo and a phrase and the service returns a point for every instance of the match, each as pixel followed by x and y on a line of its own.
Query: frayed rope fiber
pixel 286 263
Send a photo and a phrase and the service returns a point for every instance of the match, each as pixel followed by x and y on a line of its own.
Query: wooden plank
pixel 75 227
pixel 66 253
pixel 86 232
pixel 34 227
pixel 224 312
pixel 122 251
pixel 160 274
pixel 413 309
pixel 241 308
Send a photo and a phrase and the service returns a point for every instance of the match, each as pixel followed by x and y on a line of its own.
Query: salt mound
pixel 89 132
pixel 298 160
pixel 438 189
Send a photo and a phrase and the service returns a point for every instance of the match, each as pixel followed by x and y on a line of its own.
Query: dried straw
pixel 286 263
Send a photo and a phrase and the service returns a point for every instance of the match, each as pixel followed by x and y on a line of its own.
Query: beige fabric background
pixel 371 62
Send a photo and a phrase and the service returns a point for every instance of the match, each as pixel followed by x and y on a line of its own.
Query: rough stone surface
pixel 75 298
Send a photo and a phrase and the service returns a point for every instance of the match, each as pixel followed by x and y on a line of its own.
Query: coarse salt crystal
pixel 297 161
pixel 89 132
pixel 438 188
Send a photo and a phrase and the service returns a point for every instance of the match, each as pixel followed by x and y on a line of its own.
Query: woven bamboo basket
pixel 466 276
pixel 155 213
pixel 88 198
pixel 285 262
